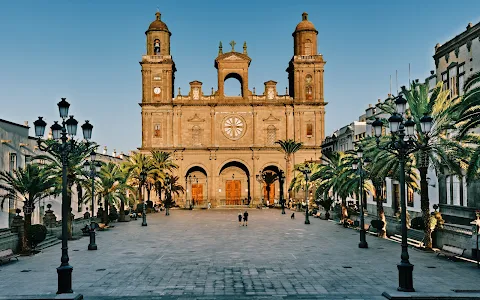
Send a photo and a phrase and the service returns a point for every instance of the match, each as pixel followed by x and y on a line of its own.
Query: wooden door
pixel 233 191
pixel 197 194
pixel 269 196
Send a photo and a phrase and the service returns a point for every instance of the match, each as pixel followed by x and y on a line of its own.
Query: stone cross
pixel 232 43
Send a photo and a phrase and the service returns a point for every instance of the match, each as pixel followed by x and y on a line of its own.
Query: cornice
pixel 457 41
pixel 241 148
pixel 252 104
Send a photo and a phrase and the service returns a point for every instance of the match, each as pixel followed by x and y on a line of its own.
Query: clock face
pixel 270 93
pixel 157 90
pixel 233 127
pixel 196 93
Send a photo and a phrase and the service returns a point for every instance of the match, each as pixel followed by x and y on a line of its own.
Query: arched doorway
pixel 272 179
pixel 234 184
pixel 196 183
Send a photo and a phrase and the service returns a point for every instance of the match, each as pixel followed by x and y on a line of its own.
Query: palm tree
pixel 269 177
pixel 111 185
pixel 163 163
pixel 298 182
pixel 174 187
pixel 438 149
pixel 75 164
pixel 289 147
pixel 32 184
pixel 138 164
pixel 469 107
pixel 384 164
pixel 468 118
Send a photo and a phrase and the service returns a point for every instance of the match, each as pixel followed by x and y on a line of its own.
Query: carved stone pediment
pixel 271 119
pixel 233 57
pixel 196 118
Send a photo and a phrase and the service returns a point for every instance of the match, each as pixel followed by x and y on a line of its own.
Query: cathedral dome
pixel 305 24
pixel 158 24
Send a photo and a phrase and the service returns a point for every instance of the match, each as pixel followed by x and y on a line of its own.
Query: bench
pixel 451 252
pixel 412 242
pixel 7 255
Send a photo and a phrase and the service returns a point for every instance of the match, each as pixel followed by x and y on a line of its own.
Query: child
pixel 245 218
pixel 240 218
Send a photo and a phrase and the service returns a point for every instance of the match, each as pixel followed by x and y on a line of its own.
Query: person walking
pixel 245 218
pixel 239 218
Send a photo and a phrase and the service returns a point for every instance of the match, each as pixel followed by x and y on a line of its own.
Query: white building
pixel 16 150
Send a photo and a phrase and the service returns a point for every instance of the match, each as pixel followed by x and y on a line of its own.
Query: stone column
pixel 18 227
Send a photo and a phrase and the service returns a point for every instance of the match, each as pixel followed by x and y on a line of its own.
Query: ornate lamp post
pixel 65 133
pixel 143 178
pixel 94 168
pixel 259 178
pixel 306 173
pixel 191 194
pixel 168 183
pixel 363 243
pixel 403 143
pixel 281 179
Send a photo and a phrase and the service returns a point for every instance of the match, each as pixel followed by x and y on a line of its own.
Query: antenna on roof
pixel 396 79
pixel 408 73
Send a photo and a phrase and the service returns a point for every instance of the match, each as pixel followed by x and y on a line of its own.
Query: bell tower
pixel 158 75
pixel 158 68
pixel 305 70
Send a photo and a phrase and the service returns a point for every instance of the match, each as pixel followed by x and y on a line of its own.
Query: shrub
pixel 36 234
pixel 417 223
pixel 377 224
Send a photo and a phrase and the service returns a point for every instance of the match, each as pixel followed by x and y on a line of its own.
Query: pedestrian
pixel 239 218
pixel 245 218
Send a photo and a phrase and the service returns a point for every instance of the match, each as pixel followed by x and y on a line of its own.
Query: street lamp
pixel 168 183
pixel 360 162
pixel 65 133
pixel 306 172
pixel 191 192
pixel 259 178
pixel 281 178
pixel 143 178
pixel 402 144
pixel 94 168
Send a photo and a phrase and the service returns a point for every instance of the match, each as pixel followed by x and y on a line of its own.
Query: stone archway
pixel 196 183
pixel 272 178
pixel 236 77
pixel 234 184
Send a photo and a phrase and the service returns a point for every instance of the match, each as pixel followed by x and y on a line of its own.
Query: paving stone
pixel 202 253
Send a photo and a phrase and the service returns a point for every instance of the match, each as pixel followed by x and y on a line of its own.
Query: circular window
pixel 233 127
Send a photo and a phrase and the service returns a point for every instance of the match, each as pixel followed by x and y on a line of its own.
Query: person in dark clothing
pixel 245 218
pixel 240 218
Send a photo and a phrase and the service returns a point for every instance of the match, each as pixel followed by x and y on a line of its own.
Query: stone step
pixel 50 240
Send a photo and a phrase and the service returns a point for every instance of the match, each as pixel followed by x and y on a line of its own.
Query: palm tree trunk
pixel 287 177
pixel 121 218
pixel 105 211
pixel 380 211
pixel 425 206
pixel 344 210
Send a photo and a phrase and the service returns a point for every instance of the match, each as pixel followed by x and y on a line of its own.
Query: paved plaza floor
pixel 206 254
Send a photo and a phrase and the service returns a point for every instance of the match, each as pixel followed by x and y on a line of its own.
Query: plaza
pixel 205 254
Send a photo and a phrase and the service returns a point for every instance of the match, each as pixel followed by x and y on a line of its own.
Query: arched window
pixel 196 139
pixel 308 47
pixel 309 130
pixel 309 92
pixel 156 131
pixel 156 47
pixel 271 135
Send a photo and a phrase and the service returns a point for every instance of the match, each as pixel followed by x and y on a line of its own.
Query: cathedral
pixel 224 145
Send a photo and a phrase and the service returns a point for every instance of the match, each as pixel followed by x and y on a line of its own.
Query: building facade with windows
pixel 221 143
pixel 17 149
pixel 456 60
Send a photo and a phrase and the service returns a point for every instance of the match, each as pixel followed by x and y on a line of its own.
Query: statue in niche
pixel 156 47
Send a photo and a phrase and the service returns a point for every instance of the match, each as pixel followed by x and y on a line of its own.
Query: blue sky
pixel 88 51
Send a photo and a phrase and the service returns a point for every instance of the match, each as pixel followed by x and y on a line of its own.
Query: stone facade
pixel 222 142
pixel 456 60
